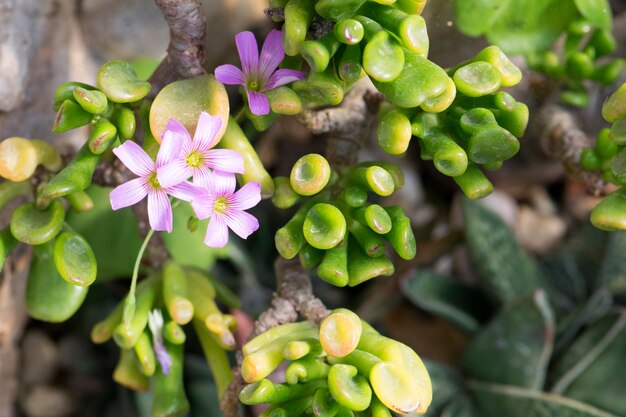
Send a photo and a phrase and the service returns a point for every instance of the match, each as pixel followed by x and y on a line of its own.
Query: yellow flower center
pixel 221 204
pixel 154 182
pixel 194 159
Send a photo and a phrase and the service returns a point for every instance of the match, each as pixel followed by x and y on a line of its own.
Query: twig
pixel 185 53
pixel 294 295
pixel 348 125
pixel 563 139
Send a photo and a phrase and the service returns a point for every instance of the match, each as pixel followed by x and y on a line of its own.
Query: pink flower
pixel 259 73
pixel 197 156
pixel 133 191
pixel 226 208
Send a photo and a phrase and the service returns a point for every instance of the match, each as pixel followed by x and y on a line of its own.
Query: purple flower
pixel 197 156
pixel 135 190
pixel 226 208
pixel 259 73
pixel 155 323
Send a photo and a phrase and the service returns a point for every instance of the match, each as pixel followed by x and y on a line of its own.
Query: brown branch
pixel 563 139
pixel 347 125
pixel 185 53
pixel 294 295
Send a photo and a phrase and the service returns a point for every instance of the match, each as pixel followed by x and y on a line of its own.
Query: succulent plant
pixel 546 339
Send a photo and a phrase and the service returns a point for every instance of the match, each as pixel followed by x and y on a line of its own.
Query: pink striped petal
pixel 272 54
pixel 159 211
pixel 216 233
pixel 229 74
pixel 206 132
pixel 173 173
pixel 129 193
pixel 222 184
pixel 202 176
pixel 225 160
pixel 248 52
pixel 258 102
pixel 283 76
pixel 135 158
pixel 187 191
pixel 203 206
pixel 171 146
pixel 242 223
pixel 246 197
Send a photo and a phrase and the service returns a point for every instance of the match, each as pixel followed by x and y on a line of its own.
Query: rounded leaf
pixel 349 388
pixel 477 79
pixel 324 226
pixel 74 259
pixel 340 332
pixel 310 174
pixel 118 80
pixel 33 226
pixel 184 100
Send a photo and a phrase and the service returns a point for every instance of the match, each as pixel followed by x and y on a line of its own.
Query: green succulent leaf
pixel 501 21
pixel 515 347
pixel 118 80
pixel 597 12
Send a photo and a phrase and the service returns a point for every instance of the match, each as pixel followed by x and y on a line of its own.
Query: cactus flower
pixel 226 208
pixel 258 73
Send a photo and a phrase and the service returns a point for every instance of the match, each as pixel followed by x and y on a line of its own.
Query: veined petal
pixel 135 158
pixel 222 184
pixel 246 197
pixel 171 146
pixel 216 233
pixel 226 160
pixel 202 176
pixel 258 102
pixel 283 76
pixel 187 191
pixel 203 206
pixel 159 210
pixel 229 74
pixel 248 52
pixel 242 223
pixel 173 173
pixel 206 132
pixel 272 54
pixel 129 193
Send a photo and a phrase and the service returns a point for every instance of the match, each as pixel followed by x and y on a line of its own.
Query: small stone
pixel 40 358
pixel 46 401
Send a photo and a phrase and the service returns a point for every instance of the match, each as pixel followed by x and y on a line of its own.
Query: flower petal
pixel 229 74
pixel 206 132
pixel 246 197
pixel 226 160
pixel 272 54
pixel 283 76
pixel 135 158
pixel 159 210
pixel 171 144
pixel 173 173
pixel 187 191
pixel 216 233
pixel 203 177
pixel 242 223
pixel 258 102
pixel 203 206
pixel 248 52
pixel 129 193
pixel 222 184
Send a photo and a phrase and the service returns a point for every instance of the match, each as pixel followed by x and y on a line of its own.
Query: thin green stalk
pixel 216 358
pixel 240 114
pixel 129 304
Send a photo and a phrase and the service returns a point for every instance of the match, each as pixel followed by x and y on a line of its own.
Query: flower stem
pixel 240 115
pixel 129 304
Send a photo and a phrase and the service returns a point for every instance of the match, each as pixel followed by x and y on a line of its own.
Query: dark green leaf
pixel 113 235
pixel 613 271
pixel 506 269
pixel 515 347
pixel 447 385
pixel 462 305
pixel 502 400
